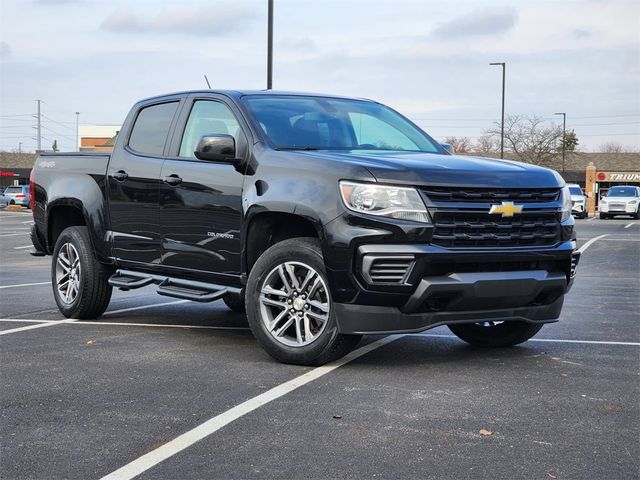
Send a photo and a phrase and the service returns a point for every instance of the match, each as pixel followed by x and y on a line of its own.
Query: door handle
pixel 172 180
pixel 120 175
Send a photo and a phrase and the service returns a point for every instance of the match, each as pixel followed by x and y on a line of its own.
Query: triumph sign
pixel 633 177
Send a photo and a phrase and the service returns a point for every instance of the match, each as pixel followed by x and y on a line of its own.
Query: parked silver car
pixel 578 201
pixel 621 200
pixel 18 195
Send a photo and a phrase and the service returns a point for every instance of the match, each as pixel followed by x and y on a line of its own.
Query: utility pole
pixel 77 132
pixel 270 45
pixel 39 126
pixel 502 122
pixel 19 147
pixel 564 135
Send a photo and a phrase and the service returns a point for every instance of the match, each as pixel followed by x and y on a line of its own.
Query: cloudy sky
pixel 428 59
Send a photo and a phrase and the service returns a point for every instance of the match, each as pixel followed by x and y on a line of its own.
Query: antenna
pixel 207 80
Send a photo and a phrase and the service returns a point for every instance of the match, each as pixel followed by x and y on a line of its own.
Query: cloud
pixel 213 21
pixel 489 21
pixel 304 44
pixel 581 33
pixel 55 2
pixel 5 50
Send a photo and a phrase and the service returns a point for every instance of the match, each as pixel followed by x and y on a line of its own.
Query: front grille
pixel 489 195
pixel 469 229
pixel 387 269
pixel 574 264
pixel 617 206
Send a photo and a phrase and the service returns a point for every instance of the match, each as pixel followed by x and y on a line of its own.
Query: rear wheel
pixel 603 216
pixel 80 282
pixel 495 334
pixel 289 305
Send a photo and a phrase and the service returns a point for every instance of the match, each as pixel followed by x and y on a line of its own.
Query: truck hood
pixel 412 168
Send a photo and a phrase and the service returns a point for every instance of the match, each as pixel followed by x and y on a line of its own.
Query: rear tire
pixel 289 305
pixel 603 216
pixel 235 302
pixel 490 334
pixel 80 282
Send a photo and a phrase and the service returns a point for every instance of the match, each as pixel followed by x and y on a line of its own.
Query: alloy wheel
pixel 68 273
pixel 294 304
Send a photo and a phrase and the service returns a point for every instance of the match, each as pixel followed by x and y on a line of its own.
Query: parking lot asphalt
pixel 86 399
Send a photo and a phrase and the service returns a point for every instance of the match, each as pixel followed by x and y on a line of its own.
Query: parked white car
pixel 621 200
pixel 578 201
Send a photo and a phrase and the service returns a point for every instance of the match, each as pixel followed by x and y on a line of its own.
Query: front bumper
pixel 621 209
pixel 410 288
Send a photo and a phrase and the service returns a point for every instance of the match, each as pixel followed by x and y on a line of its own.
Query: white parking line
pixel 159 325
pixel 629 224
pixel 22 248
pixel 33 327
pixel 214 424
pixel 24 285
pixel 26 320
pixel 13 234
pixel 584 247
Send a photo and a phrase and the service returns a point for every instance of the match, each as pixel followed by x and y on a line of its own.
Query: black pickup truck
pixel 326 218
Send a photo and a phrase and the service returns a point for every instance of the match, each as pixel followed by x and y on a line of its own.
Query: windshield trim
pixel 255 125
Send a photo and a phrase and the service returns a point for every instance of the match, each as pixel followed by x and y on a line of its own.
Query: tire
pixel 317 341
pixel 503 334
pixel 235 302
pixel 89 296
pixel 603 216
pixel 637 214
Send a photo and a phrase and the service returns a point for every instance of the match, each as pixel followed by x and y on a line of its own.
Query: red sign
pixel 602 176
pixel 8 174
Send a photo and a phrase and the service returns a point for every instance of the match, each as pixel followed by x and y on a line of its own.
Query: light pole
pixel 502 122
pixel 19 147
pixel 564 135
pixel 270 45
pixel 77 131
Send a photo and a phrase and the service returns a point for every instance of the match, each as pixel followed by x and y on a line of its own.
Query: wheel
pixel 80 282
pixel 495 334
pixel 603 216
pixel 289 305
pixel 235 301
pixel 637 214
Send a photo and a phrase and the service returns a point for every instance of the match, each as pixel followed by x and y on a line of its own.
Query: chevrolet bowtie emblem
pixel 507 209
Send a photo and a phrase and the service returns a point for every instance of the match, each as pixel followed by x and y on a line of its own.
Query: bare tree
pixel 615 147
pixel 529 139
pixel 459 144
pixel 487 145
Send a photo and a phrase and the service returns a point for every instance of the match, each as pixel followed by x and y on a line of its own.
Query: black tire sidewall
pixel 79 238
pixel 304 250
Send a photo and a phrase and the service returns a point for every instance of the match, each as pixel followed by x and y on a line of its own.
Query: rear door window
pixel 151 128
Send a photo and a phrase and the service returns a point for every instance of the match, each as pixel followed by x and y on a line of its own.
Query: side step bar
pixel 170 286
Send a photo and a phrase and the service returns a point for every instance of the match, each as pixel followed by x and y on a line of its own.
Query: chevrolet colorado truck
pixel 325 218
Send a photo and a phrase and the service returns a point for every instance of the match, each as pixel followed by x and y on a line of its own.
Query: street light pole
pixel 502 122
pixel 270 45
pixel 564 135
pixel 77 131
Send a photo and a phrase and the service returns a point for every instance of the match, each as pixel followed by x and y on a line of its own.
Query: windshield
pixel 13 190
pixel 622 192
pixel 319 123
pixel 575 190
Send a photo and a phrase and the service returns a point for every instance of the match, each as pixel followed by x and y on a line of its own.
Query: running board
pixel 170 286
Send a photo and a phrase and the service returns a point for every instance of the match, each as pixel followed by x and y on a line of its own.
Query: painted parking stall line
pixel 214 424
pixel 584 247
pixel 550 340
pixel 39 325
pixel 629 225
pixel 24 285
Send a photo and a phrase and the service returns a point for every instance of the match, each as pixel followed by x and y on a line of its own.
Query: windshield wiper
pixel 297 148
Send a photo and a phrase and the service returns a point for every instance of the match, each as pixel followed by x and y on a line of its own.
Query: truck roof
pixel 245 93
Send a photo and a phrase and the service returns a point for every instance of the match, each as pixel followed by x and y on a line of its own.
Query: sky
pixel 427 59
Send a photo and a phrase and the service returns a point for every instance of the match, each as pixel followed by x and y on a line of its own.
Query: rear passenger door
pixel 133 179
pixel 200 206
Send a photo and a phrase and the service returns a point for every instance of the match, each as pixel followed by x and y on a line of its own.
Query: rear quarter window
pixel 151 128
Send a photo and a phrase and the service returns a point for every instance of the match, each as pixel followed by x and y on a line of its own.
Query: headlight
pixel 384 201
pixel 566 204
pixel 633 202
pixel 603 201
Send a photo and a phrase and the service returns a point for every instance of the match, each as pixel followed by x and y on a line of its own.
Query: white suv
pixel 621 200
pixel 578 201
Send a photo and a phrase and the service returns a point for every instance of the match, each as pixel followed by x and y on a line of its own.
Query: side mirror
pixel 217 148
pixel 448 148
